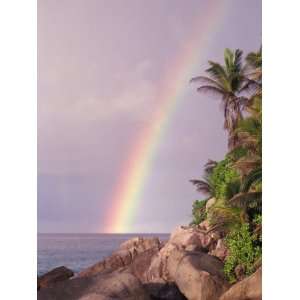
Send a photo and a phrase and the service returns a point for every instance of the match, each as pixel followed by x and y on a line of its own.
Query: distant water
pixel 78 251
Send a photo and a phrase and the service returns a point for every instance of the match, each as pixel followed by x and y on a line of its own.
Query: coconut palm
pixel 254 63
pixel 205 185
pixel 253 72
pixel 249 163
pixel 226 82
pixel 248 135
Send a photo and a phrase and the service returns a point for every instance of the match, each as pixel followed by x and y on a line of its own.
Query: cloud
pixel 134 101
pixel 77 130
pixel 133 96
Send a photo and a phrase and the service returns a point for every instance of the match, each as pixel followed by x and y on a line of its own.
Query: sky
pixel 101 66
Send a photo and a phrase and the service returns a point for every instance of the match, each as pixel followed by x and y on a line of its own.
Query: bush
pixel 199 211
pixel 225 216
pixel 242 251
pixel 257 221
pixel 223 178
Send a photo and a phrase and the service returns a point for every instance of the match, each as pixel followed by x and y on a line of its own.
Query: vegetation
pixel 243 251
pixel 199 212
pixel 236 181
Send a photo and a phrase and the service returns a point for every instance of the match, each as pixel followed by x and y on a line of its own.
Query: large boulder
pixel 192 272
pixel 116 285
pixel 141 264
pixel 185 236
pixel 139 244
pixel 56 275
pixel 94 296
pixel 164 291
pixel 248 289
pixel 124 256
pixel 158 289
pixel 158 269
pixel 199 276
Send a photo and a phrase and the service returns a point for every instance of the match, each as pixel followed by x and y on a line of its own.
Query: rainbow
pixel 129 189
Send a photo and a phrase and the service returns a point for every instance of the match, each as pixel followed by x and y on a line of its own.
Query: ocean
pixel 78 251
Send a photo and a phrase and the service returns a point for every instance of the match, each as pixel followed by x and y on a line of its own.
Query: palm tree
pixel 254 72
pixel 254 62
pixel 249 140
pixel 227 82
pixel 249 164
pixel 205 185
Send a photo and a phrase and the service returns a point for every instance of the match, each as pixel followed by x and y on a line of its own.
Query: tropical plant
pixel 254 64
pixel 223 217
pixel 242 251
pixel 226 81
pixel 224 178
pixel 199 211
pixel 236 181
pixel 247 155
pixel 205 185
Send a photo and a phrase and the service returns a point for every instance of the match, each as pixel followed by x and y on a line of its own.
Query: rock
pixel 96 297
pixel 123 257
pixel 220 250
pixel 248 289
pixel 157 280
pixel 164 291
pixel 141 264
pixel 199 276
pixel 192 272
pixel 210 202
pixel 183 237
pixel 115 285
pixel 239 272
pixel 140 244
pixel 158 269
pixel 93 270
pixel 54 276
pixel 193 248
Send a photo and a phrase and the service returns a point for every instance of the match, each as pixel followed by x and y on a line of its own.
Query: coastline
pixel 187 266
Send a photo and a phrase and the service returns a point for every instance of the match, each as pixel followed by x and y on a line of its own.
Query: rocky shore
pixel 188 266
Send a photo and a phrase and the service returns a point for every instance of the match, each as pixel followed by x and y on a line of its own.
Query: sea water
pixel 78 251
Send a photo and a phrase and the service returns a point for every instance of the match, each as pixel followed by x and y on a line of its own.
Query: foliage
pixel 223 177
pixel 242 251
pixel 257 219
pixel 227 82
pixel 236 181
pixel 223 216
pixel 199 212
pixel 257 232
pixel 205 185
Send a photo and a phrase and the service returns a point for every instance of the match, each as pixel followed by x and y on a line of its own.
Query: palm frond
pixel 255 176
pixel 210 89
pixel 209 166
pixel 247 200
pixel 238 59
pixel 207 81
pixel 202 186
pixel 246 165
pixel 217 72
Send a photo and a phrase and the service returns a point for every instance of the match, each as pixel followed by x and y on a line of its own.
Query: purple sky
pixel 99 65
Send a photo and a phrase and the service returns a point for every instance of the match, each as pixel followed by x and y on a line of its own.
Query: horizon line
pixel 115 233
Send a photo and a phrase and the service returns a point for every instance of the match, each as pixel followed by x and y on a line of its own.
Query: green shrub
pixel 242 251
pixel 199 211
pixel 257 221
pixel 223 178
pixel 225 216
